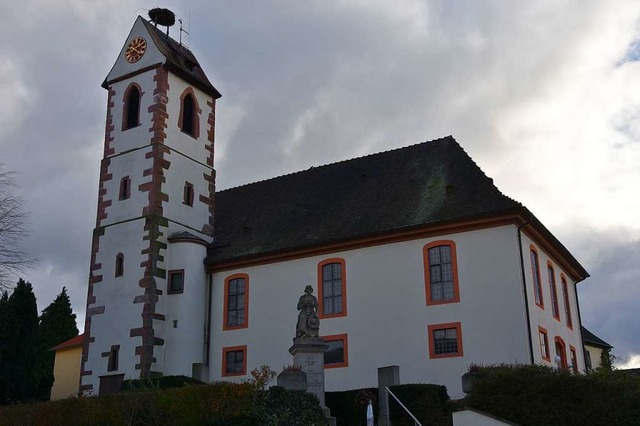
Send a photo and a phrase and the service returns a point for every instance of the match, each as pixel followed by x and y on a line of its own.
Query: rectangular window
pixel 236 302
pixel 332 288
pixel 188 194
pixel 535 270
pixel 338 353
pixel 445 340
pixel 567 306
pixel 125 188
pixel 176 281
pixel 234 361
pixel 544 343
pixel 555 310
pixel 112 360
pixel 441 275
pixel 574 359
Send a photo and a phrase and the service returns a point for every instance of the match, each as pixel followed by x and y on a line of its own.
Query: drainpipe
pixel 584 350
pixel 524 291
pixel 207 331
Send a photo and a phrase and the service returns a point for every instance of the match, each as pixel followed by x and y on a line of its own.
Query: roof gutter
pixel 524 291
pixel 579 328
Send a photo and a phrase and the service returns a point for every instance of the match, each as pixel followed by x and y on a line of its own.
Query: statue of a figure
pixel 308 321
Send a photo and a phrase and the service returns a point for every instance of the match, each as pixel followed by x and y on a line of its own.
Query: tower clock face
pixel 135 50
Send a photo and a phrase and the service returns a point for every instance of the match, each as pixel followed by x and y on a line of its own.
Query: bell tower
pixel 147 285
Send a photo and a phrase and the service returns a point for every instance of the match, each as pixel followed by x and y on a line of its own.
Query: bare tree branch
pixel 13 231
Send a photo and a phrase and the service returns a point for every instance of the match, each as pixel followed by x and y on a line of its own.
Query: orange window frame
pixel 242 349
pixel 565 297
pixel 427 272
pixel 226 327
pixel 553 291
pixel 574 359
pixel 432 344
pixel 535 272
pixel 345 345
pixel 545 351
pixel 563 354
pixel 343 274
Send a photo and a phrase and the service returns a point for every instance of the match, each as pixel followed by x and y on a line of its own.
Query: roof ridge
pixel 442 139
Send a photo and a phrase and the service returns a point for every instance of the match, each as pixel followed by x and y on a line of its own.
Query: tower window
pixel 119 265
pixel 176 281
pixel 125 188
pixel 188 194
pixel 112 359
pixel 188 120
pixel 131 107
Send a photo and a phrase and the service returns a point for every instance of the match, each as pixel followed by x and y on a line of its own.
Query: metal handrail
pixel 388 391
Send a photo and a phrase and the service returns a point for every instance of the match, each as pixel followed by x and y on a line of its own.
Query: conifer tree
pixel 4 368
pixel 20 350
pixel 57 324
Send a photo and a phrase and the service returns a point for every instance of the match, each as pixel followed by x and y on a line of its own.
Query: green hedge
pixel 216 404
pixel 350 407
pixel 429 403
pixel 163 382
pixel 535 395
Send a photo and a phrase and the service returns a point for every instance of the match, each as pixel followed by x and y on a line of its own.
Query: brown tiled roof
pixel 180 60
pixel 73 342
pixel 423 184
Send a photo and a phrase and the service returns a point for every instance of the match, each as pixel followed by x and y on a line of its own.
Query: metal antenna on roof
pixel 182 30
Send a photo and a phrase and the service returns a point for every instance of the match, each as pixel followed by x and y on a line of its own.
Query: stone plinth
pixel 308 353
pixel 293 380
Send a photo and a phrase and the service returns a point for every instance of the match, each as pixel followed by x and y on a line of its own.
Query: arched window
pixel 553 291
pixel 332 288
pixel 119 265
pixel 441 272
pixel 131 107
pixel 189 118
pixel 535 271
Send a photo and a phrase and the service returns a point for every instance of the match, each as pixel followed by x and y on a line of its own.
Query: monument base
pixel 308 353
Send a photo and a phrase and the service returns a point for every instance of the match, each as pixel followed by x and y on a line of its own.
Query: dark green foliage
pixel 215 404
pixel 350 407
pixel 429 403
pixel 19 346
pixel 57 325
pixel 163 382
pixel 535 395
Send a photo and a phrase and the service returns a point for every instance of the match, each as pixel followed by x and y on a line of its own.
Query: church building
pixel 415 257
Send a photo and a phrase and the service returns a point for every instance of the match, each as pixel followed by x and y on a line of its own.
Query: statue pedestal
pixel 308 353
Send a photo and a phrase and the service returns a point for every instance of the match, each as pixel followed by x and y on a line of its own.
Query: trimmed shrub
pixel 429 403
pixel 215 404
pixel 350 407
pixel 163 382
pixel 531 394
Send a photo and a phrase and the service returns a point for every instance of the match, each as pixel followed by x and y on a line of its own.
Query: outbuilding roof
pixel 73 342
pixel 591 339
pixel 420 185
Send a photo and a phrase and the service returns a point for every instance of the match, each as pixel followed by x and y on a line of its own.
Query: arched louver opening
pixel 133 108
pixel 188 111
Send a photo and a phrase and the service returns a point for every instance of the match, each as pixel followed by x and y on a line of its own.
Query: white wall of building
pixel 387 313
pixel 544 317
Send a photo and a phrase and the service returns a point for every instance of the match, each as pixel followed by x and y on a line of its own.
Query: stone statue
pixel 308 320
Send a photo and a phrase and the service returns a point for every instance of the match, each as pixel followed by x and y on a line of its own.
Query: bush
pixel 542 396
pixel 163 382
pixel 215 404
pixel 350 407
pixel 429 403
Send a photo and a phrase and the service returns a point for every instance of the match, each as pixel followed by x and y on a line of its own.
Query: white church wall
pixel 139 136
pixel 193 148
pixel 151 56
pixel 184 169
pixel 543 317
pixel 131 164
pixel 387 315
pixel 117 295
pixel 185 313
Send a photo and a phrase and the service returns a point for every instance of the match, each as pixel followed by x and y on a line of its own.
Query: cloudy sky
pixel 544 96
